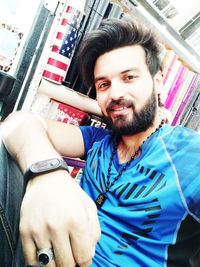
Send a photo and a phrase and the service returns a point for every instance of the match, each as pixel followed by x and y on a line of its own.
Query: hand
pixel 57 213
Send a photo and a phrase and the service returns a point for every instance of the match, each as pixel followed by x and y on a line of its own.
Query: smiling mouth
pixel 119 110
pixel 120 107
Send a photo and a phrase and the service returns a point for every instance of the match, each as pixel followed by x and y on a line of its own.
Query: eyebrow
pixel 99 79
pixel 104 77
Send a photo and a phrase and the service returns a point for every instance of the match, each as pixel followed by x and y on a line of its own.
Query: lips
pixel 119 107
pixel 119 110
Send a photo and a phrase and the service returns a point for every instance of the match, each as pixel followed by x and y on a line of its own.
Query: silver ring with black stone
pixel 45 255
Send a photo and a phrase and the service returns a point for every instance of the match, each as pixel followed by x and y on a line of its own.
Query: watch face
pixel 45 165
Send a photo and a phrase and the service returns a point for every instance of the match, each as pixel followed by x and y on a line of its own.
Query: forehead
pixel 121 59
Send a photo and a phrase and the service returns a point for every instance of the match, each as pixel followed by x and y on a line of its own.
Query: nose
pixel 116 90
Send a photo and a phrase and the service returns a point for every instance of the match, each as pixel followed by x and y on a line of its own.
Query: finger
pixel 45 256
pixel 85 236
pixel 43 245
pixel 38 243
pixel 63 255
pixel 82 246
pixel 82 249
pixel 29 251
pixel 28 245
pixel 94 226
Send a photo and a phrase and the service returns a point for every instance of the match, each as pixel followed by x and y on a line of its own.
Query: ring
pixel 45 255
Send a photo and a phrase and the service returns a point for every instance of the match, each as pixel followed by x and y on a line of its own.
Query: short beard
pixel 140 122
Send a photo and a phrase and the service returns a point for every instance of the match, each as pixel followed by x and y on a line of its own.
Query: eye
pixel 102 85
pixel 130 77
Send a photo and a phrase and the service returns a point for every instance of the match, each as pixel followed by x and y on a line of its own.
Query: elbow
pixel 15 129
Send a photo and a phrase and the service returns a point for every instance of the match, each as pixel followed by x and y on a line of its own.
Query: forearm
pixel 47 216
pixel 26 139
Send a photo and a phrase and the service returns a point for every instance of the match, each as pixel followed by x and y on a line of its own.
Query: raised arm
pixel 30 138
pixel 53 205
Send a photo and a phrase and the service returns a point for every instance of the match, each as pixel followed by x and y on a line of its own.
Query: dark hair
pixel 112 34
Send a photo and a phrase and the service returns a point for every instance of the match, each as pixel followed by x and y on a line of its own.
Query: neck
pixel 129 144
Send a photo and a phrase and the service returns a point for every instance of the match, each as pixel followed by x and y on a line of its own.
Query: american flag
pixel 69 42
pixel 63 46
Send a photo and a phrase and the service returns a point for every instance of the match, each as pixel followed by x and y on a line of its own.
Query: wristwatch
pixel 44 166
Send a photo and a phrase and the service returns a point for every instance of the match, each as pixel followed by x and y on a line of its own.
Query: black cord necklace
pixel 103 195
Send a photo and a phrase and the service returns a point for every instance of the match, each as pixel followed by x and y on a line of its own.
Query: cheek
pixel 142 92
pixel 101 100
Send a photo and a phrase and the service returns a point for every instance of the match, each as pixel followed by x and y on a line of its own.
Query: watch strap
pixel 44 166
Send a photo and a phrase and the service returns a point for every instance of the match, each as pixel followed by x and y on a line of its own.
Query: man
pixel 142 175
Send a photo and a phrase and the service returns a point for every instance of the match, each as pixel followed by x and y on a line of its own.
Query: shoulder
pixel 182 147
pixel 92 134
pixel 181 136
pixel 185 155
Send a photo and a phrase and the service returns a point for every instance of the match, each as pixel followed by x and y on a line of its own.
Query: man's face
pixel 125 90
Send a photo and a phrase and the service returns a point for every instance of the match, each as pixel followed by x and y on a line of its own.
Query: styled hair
pixel 112 34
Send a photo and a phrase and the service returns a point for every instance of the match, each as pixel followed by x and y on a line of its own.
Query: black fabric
pixel 11 193
pixel 185 253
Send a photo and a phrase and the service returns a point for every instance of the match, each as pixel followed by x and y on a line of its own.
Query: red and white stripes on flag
pixel 63 45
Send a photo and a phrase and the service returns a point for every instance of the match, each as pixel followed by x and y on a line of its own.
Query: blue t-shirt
pixel 152 212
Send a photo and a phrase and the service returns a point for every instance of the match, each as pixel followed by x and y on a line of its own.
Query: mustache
pixel 120 102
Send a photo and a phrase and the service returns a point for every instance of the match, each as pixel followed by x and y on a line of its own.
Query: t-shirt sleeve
pixel 92 134
pixel 187 164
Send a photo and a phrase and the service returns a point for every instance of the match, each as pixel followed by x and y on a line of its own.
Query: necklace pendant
pixel 100 200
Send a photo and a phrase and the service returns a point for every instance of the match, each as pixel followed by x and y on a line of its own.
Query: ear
pixel 158 82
